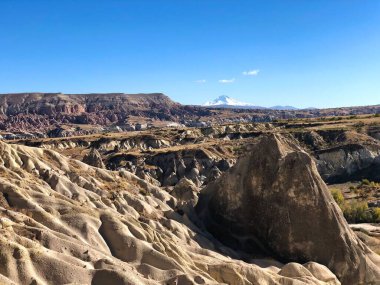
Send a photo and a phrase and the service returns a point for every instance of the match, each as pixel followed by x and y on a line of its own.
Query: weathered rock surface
pixel 94 158
pixel 198 165
pixel 344 155
pixel 43 111
pixel 186 194
pixel 65 222
pixel 273 202
pixel 349 162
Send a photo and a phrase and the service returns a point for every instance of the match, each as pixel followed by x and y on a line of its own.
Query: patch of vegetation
pixel 238 149
pixel 144 192
pixel 366 189
pixel 365 182
pixel 356 211
pixel 338 196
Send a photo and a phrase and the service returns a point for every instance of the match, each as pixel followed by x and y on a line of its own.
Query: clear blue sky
pixel 320 53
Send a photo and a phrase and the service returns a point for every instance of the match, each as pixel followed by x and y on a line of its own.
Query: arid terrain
pixel 200 196
pixel 34 115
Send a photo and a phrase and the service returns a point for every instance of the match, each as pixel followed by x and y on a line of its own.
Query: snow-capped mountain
pixel 225 101
pixel 228 102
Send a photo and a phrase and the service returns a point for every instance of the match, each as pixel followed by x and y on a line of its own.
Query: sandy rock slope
pixel 65 222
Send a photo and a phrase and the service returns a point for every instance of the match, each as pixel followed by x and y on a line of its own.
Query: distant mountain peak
pixel 225 101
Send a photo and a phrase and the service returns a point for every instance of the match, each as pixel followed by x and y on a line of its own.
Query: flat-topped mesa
pixel 53 103
pixel 274 202
pixel 42 112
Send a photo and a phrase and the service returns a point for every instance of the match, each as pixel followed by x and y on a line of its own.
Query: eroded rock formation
pixel 94 158
pixel 65 222
pixel 349 162
pixel 273 202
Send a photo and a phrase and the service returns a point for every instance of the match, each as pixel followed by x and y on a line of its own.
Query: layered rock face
pixel 273 202
pixel 344 155
pixel 349 162
pixel 65 222
pixel 43 111
pixel 54 103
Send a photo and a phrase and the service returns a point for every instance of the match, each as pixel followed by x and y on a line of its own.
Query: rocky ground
pixel 228 204
pixel 345 150
pixel 63 221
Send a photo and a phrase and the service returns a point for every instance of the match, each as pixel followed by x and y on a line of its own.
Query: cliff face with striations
pixel 25 111
pixel 55 103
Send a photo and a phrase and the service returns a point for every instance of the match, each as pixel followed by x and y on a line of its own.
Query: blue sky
pixel 320 53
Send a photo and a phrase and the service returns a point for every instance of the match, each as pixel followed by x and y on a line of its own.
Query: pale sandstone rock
pixel 72 223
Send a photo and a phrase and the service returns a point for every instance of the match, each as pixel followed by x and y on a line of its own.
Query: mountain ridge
pixel 225 101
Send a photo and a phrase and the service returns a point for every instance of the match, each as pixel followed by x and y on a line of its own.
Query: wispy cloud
pixel 253 72
pixel 232 80
pixel 200 81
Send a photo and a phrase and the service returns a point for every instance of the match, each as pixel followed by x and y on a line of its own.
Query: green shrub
pixel 357 212
pixel 338 196
pixel 365 182
pixel 376 214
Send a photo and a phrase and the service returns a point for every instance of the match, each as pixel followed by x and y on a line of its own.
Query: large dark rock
pixel 273 202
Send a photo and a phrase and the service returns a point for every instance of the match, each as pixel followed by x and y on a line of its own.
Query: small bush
pixel 338 196
pixel 365 182
pixel 357 212
pixel 376 214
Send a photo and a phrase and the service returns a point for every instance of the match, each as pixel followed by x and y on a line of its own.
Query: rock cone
pixel 273 202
